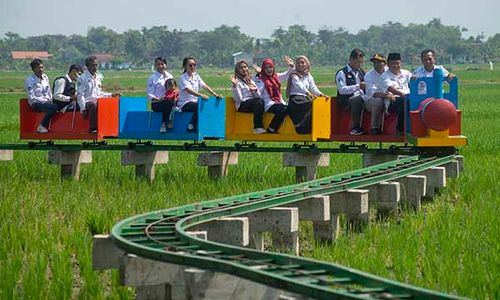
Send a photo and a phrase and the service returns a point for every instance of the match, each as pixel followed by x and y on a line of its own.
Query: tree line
pixel 215 47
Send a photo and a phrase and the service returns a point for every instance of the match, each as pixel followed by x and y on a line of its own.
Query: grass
pixel 46 225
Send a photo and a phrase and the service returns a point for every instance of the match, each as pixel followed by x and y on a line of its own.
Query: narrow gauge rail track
pixel 162 236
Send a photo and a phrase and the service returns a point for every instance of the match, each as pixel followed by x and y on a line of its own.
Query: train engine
pixel 434 118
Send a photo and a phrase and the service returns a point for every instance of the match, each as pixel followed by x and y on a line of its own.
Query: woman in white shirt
pixel 247 96
pixel 300 90
pixel 189 85
pixel 156 91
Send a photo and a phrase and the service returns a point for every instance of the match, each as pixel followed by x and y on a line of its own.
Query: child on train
pixel 171 94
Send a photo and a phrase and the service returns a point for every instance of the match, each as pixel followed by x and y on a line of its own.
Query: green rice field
pixel 46 225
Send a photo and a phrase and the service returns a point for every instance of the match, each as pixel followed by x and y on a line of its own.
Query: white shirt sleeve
pixel 312 86
pixel 150 89
pixel 342 86
pixel 59 86
pixel 81 92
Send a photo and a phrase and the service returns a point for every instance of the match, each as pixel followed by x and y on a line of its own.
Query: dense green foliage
pixel 46 225
pixel 215 47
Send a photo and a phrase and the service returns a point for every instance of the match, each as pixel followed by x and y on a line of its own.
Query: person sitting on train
pixel 428 58
pixel 300 90
pixel 89 90
pixel 156 91
pixel 65 89
pixel 247 97
pixel 39 94
pixel 375 96
pixel 269 86
pixel 351 89
pixel 396 81
pixel 189 86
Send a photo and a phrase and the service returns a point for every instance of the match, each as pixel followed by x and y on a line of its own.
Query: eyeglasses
pixel 192 65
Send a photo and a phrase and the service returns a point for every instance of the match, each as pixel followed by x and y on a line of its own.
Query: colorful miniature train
pixel 433 119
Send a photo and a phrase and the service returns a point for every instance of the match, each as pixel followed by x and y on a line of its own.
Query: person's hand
pixel 116 95
pixel 204 97
pixel 233 79
pixel 288 60
pixel 450 76
pixel 73 98
pixel 391 96
pixel 257 68
pixel 362 86
pixel 218 96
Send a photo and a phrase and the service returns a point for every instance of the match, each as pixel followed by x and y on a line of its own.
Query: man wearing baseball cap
pixel 397 81
pixel 375 95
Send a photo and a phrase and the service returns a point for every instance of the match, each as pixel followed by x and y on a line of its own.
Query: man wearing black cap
pixel 397 81
pixel 351 89
pixel 375 95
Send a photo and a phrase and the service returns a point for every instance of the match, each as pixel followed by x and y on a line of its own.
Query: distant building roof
pixel 104 57
pixel 30 54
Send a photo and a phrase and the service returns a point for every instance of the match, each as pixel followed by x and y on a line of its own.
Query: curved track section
pixel 162 236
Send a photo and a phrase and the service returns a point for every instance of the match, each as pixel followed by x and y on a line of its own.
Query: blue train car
pixel 136 121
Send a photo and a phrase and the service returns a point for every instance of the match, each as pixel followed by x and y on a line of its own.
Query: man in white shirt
pixel 397 81
pixel 375 95
pixel 39 94
pixel 89 90
pixel 351 89
pixel 428 58
pixel 65 89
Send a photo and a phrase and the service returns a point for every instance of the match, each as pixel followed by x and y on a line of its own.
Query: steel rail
pixel 162 236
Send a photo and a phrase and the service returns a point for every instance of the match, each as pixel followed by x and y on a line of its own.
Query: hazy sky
pixel 257 18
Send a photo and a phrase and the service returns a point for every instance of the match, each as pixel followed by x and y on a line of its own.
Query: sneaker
pixel 375 131
pixel 357 131
pixel 259 130
pixel 93 131
pixel 190 127
pixel 163 128
pixel 170 124
pixel 41 129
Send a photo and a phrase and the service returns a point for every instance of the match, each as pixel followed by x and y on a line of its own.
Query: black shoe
pixel 357 131
pixel 375 131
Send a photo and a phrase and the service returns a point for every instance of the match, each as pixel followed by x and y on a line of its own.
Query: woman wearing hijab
pixel 269 86
pixel 246 95
pixel 300 90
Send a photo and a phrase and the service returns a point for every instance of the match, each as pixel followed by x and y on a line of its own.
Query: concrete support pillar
pixel 217 162
pixel 305 164
pixel 6 155
pixel 352 203
pixel 413 188
pixel 70 161
pixel 385 197
pixel 452 169
pixel 202 284
pixel 460 160
pixel 370 159
pixel 105 254
pixel 281 222
pixel 232 231
pixel 436 179
pixel 144 161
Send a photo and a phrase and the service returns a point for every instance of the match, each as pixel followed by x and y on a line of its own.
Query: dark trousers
pixel 279 111
pixel 300 111
pixel 192 107
pixel 165 107
pixel 71 105
pixel 398 106
pixel 355 105
pixel 91 114
pixel 49 108
pixel 255 105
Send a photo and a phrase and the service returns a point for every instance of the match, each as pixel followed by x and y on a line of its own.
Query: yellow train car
pixel 239 125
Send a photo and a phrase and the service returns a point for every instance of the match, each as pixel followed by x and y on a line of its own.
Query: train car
pixel 70 125
pixel 136 121
pixel 239 125
pixel 434 118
